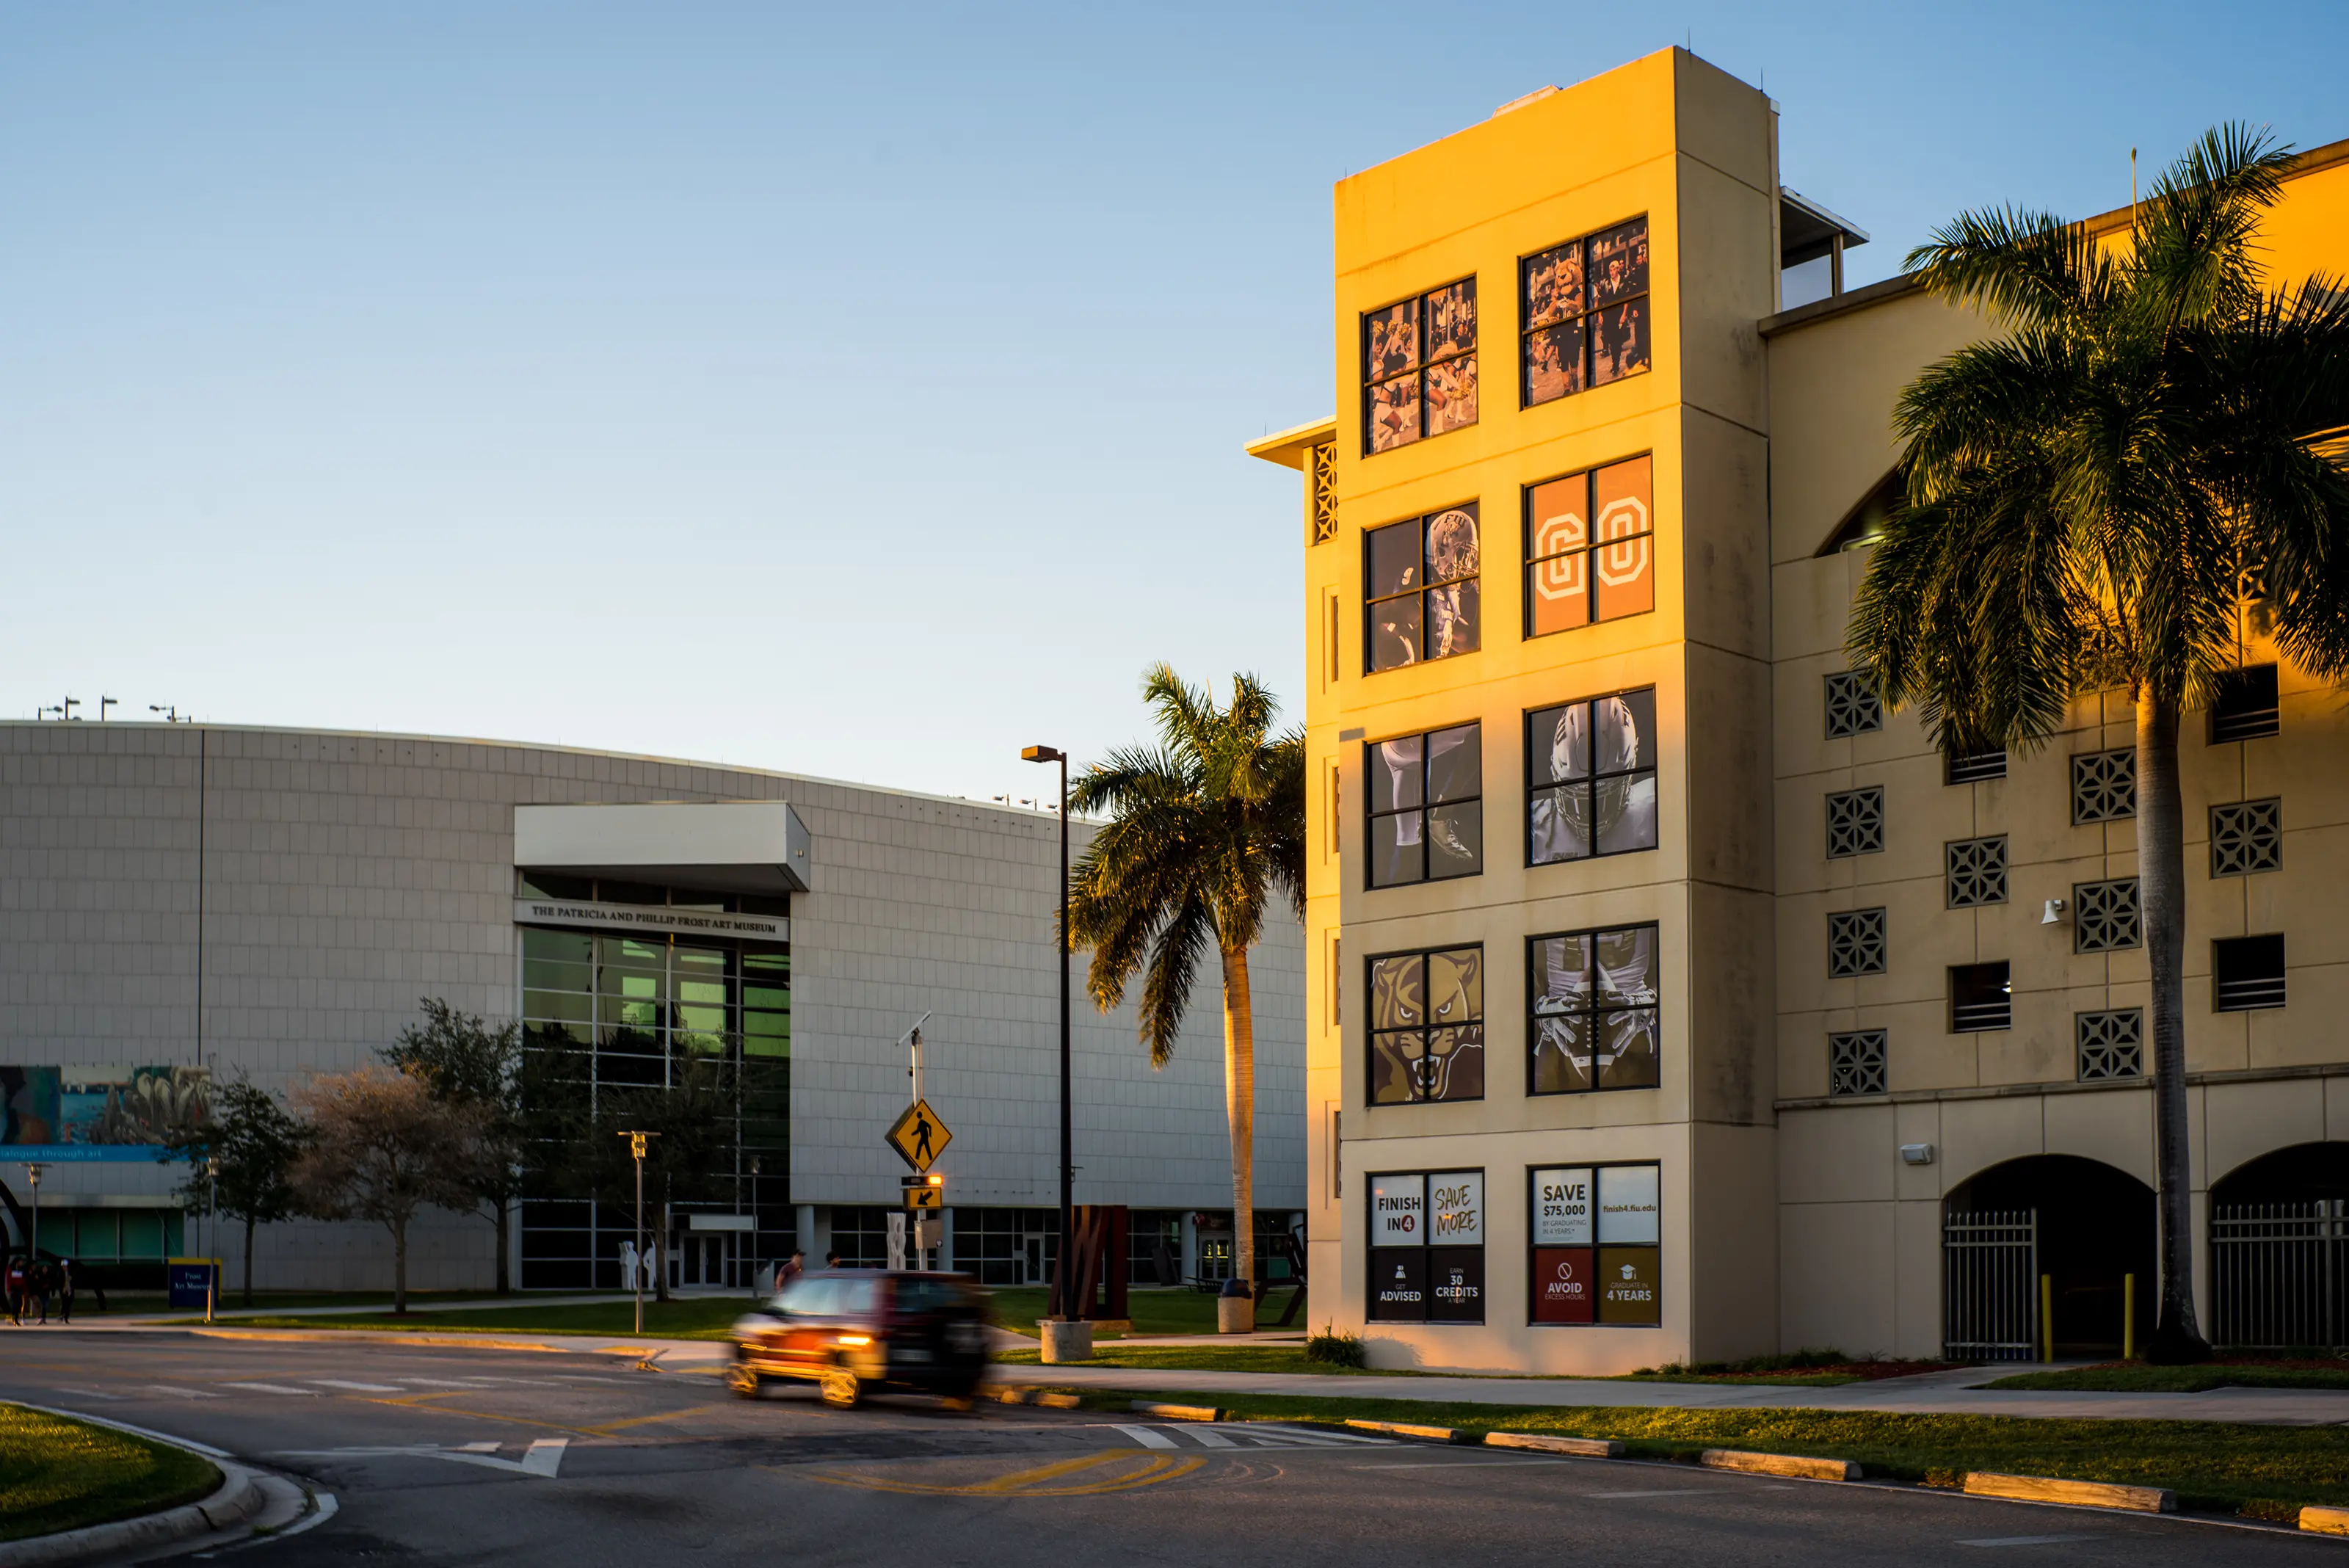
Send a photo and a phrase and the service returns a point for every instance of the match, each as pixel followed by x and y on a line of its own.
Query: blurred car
pixel 853 1331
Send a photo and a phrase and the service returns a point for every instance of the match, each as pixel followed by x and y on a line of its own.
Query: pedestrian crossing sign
pixel 918 1136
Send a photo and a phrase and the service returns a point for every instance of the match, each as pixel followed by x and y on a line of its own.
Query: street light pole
pixel 1064 1270
pixel 211 1238
pixel 636 1143
pixel 33 1242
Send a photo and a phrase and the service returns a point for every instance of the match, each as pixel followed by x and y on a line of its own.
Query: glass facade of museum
pixel 687 1035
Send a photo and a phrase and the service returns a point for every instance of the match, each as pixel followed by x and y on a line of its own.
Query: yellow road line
pixel 1027 1483
pixel 416 1402
pixel 671 1415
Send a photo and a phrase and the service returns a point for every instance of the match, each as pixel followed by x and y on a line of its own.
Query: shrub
pixel 1336 1349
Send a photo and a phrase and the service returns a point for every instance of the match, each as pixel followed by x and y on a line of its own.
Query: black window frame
pixel 1594 1010
pixel 1374 1255
pixel 1976 1016
pixel 1427 805
pixel 1427 1027
pixel 1595 1202
pixel 1470 582
pixel 2245 705
pixel 1588 786
pixel 1592 599
pixel 1581 320
pixel 2255 985
pixel 1421 364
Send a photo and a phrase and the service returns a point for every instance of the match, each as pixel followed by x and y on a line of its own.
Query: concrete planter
pixel 1067 1339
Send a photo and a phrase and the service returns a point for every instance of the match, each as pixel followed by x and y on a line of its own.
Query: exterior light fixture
pixel 1915 1154
pixel 2052 913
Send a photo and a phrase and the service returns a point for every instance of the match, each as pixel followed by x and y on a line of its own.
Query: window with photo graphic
pixel 1427 1026
pixel 1590 547
pixel 1426 1256
pixel 1585 309
pixel 1590 784
pixel 1419 588
pixel 1426 814
pixel 1595 1250
pixel 1418 367
pixel 1595 1020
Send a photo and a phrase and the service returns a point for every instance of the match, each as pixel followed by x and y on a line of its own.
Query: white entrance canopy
pixel 731 847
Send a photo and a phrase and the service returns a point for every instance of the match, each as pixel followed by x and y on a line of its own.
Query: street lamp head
pixel 1041 755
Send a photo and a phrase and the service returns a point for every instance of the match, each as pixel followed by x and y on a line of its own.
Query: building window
pixel 1853 706
pixel 1591 778
pixel 2106 917
pixel 1972 768
pixel 1855 944
pixel 1979 997
pixel 2247 973
pixel 1590 547
pixel 1596 1244
pixel 1427 1246
pixel 2246 837
pixel 1584 310
pixel 2104 787
pixel 1420 588
pixel 1594 1022
pixel 1856 823
pixel 1427 1026
pixel 1975 872
pixel 2111 1044
pixel 860 1237
pixel 2244 707
pixel 1418 367
pixel 1856 1062
pixel 1426 815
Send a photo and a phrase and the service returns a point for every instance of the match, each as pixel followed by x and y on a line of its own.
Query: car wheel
pixel 841 1389
pixel 744 1381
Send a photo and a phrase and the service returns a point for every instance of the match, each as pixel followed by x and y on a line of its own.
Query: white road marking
pixel 449 1382
pixel 273 1388
pixel 544 1459
pixel 91 1393
pixel 1206 1437
pixel 1318 1433
pixel 1145 1437
pixel 357 1388
pixel 2025 1540
pixel 1469 1461
pixel 180 1393
pixel 1677 1491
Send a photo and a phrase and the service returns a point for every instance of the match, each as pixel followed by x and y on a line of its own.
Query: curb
pixel 1037 1396
pixel 1176 1412
pixel 1588 1448
pixel 716 1347
pixel 2084 1494
pixel 1778 1465
pixel 2325 1521
pixel 1406 1430
pixel 238 1499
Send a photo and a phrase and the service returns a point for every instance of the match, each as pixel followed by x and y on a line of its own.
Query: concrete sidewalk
pixel 1933 1393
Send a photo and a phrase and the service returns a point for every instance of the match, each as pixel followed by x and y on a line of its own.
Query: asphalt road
pixel 459 1456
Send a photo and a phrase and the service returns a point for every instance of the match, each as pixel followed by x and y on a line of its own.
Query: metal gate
pixel 1990 1285
pixel 2280 1273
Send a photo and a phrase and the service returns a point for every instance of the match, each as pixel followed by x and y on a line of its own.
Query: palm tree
pixel 2116 493
pixel 1203 831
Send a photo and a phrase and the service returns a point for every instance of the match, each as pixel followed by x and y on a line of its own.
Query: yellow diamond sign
pixel 918 1136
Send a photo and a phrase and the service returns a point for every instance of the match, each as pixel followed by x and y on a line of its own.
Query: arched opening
pixel 2280 1249
pixel 2083 1225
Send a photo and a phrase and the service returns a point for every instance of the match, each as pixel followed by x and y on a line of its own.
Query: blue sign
pixel 192 1282
pixel 76 1153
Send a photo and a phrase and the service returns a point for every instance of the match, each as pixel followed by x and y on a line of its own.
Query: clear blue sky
pixel 845 390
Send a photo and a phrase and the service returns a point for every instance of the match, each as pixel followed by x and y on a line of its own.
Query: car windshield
pixel 807 1297
pixel 931 1296
pixel 855 1297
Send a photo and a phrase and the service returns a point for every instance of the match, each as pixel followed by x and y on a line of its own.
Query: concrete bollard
pixel 1067 1339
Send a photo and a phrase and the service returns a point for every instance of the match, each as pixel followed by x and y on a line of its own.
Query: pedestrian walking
pixel 785 1273
pixel 64 1289
pixel 13 1284
pixel 37 1281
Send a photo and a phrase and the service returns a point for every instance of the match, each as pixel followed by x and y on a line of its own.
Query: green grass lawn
pixel 147 1303
pixel 2264 1471
pixel 698 1317
pixel 1017 1308
pixel 2136 1377
pixel 1288 1357
pixel 58 1474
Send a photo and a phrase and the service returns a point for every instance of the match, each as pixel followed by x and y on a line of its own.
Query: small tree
pixel 691 1157
pixel 469 1064
pixel 251 1143
pixel 381 1147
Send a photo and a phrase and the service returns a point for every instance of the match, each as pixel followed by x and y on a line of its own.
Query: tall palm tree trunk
pixel 1239 1108
pixel 2161 882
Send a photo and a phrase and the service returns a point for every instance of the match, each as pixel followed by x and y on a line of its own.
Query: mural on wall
pixel 98 1113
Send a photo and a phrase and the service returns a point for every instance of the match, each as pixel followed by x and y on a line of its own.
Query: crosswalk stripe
pixel 181 1393
pixel 272 1388
pixel 1313 1435
pixel 1206 1437
pixel 91 1393
pixel 357 1388
pixel 1147 1436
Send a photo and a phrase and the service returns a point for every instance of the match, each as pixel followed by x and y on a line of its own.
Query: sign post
pixel 637 1142
pixel 918 1136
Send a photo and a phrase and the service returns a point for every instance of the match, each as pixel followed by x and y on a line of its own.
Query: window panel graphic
pixel 1590 547
pixel 1418 367
pixel 1427 1026
pixel 1584 305
pixel 1590 786
pixel 1419 588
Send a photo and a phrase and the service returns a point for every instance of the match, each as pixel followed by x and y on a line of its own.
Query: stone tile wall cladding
pixel 347 876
